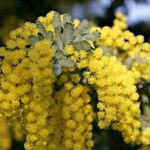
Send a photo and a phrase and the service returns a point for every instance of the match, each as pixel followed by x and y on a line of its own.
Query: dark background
pixel 12 12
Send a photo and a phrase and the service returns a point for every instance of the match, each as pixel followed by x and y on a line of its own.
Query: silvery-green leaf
pixel 140 60
pixel 33 39
pixel 144 118
pixel 80 33
pixel 66 62
pixel 128 62
pixel 77 32
pixel 57 69
pixel 145 98
pixel 106 50
pixel 56 20
pixel 40 36
pixel 91 36
pixel 59 55
pixel 41 27
pixel 67 18
pixel 82 45
pixel 115 52
pixel 82 29
pixel 54 46
pixel 49 35
pixel 77 38
pixel 46 35
pixel 84 26
pixel 59 39
pixel 68 33
pixel 84 81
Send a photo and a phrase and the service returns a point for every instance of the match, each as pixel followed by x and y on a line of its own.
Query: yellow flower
pixel 69 49
pixel 122 43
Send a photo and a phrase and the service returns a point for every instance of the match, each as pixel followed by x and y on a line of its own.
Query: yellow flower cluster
pixel 26 88
pixel 37 116
pixel 116 91
pixel 27 95
pixel 77 115
pixel 55 111
pixel 47 21
pixel 130 49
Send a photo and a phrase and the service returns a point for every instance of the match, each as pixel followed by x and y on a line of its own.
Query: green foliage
pixel 65 34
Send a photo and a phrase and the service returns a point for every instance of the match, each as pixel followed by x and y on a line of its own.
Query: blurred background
pixel 13 13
